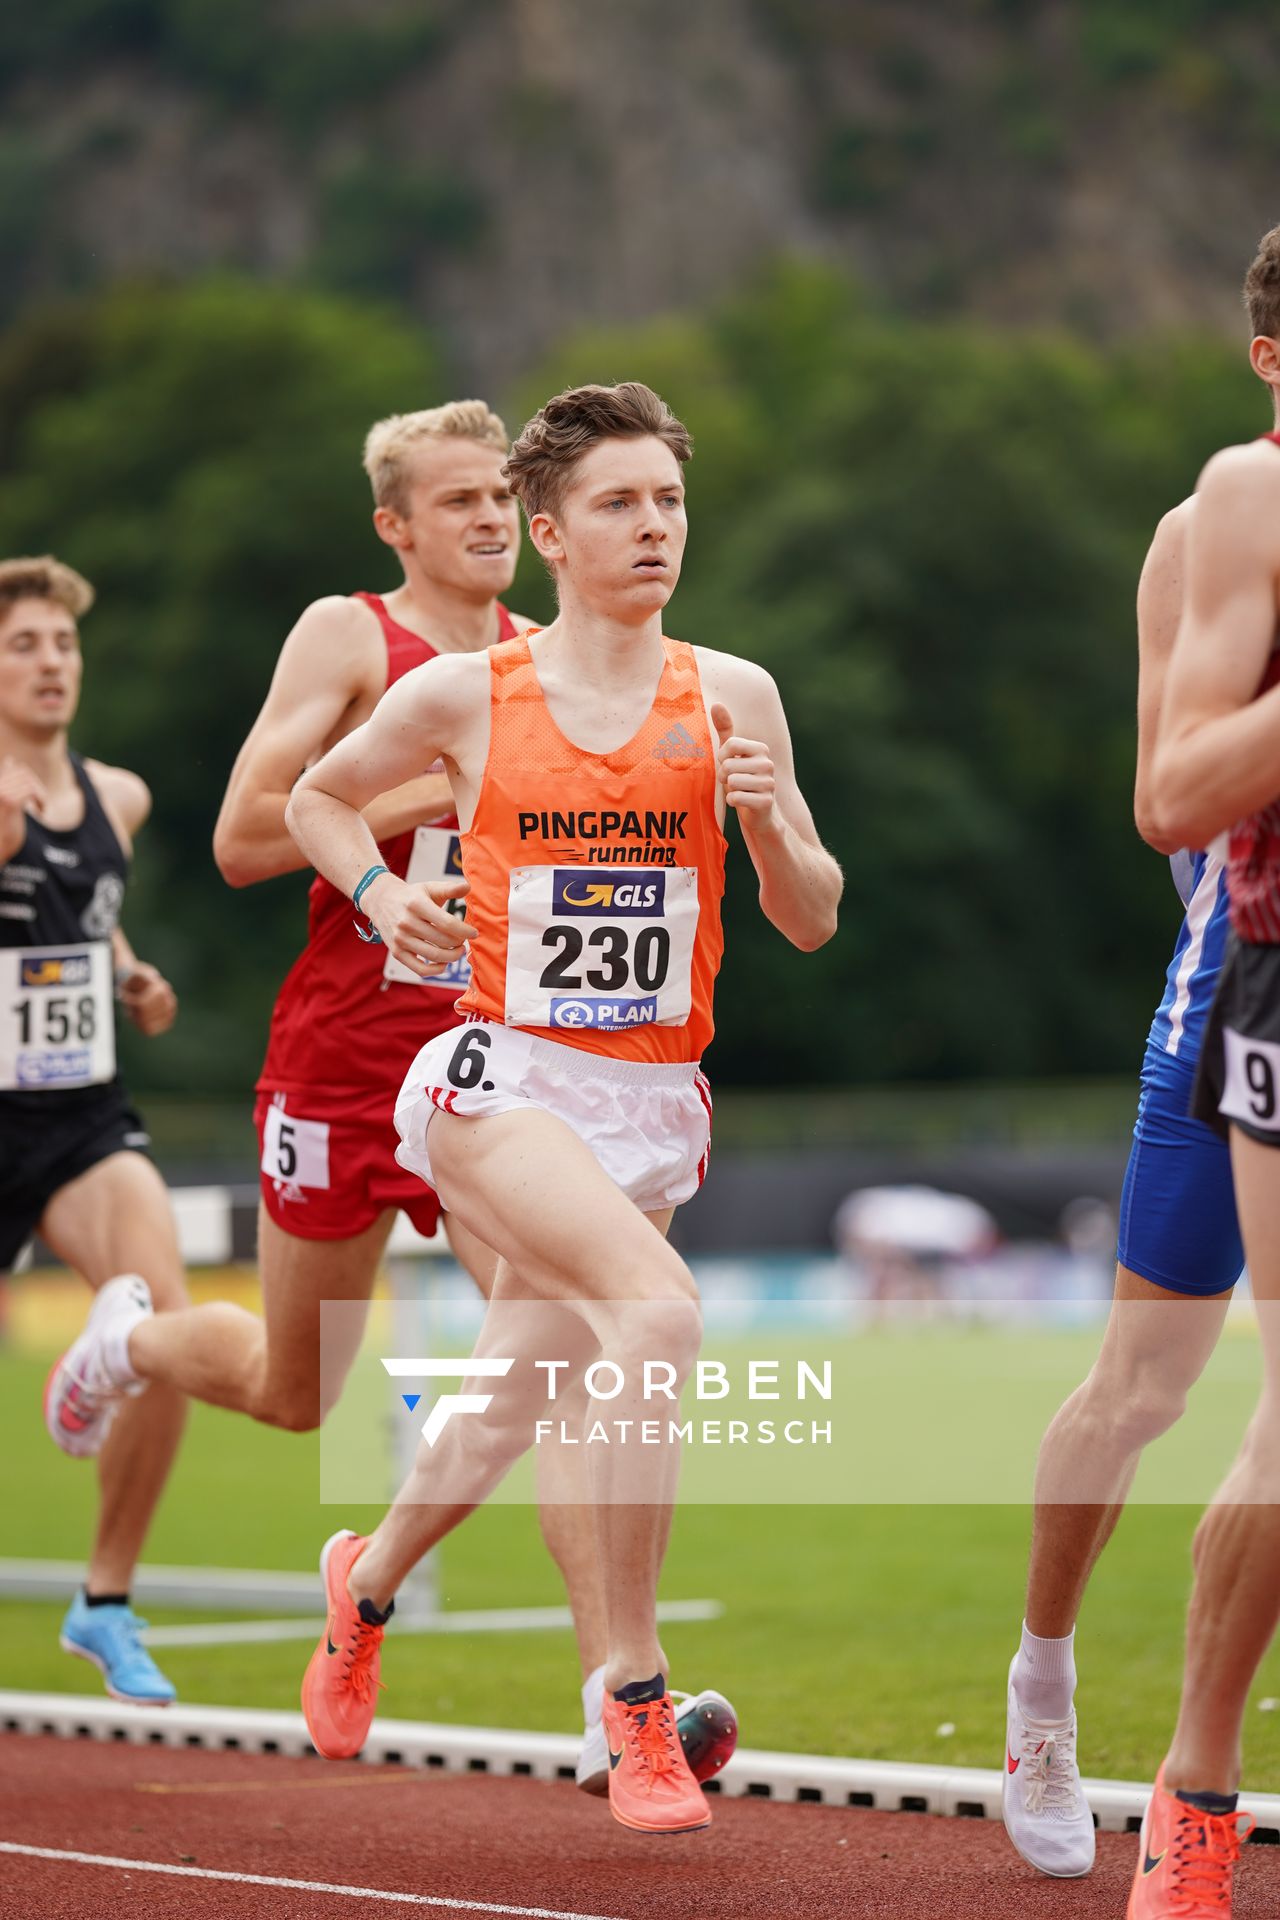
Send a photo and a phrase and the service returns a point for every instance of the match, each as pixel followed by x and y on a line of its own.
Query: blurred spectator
pixel 903 1243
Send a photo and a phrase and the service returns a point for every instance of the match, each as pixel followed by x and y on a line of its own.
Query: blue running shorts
pixel 1178 1225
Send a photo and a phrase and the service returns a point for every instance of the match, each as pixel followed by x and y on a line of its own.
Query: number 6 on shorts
pixel 470 1059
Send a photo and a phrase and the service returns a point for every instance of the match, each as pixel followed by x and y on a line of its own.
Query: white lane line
pixel 294 1886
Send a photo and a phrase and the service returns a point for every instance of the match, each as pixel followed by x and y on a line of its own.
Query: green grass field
pixel 853 1629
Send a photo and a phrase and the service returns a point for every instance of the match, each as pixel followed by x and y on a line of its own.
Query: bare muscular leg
pixel 1235 1603
pixel 1156 1346
pixel 116 1219
pixel 568 1235
pixel 269 1368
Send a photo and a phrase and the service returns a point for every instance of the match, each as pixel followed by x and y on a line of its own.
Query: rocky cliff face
pixel 515 169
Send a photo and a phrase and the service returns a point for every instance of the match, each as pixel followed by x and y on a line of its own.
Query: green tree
pixel 931 536
pixel 197 454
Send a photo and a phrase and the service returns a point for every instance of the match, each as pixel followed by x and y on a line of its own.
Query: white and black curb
pixel 884 1785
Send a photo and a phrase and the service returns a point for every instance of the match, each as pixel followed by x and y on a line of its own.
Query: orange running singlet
pixel 596 878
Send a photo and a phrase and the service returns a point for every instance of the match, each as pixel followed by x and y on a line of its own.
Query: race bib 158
pixel 57 1017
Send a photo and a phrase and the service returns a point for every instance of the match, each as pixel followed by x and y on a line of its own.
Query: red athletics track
pixel 496 1842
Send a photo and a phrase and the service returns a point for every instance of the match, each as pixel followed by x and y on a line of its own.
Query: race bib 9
pixel 609 948
pixel 1252 1089
pixel 57 1018
pixel 437 855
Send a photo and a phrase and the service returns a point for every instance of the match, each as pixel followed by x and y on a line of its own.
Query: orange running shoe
pixel 340 1686
pixel 1186 1854
pixel 650 1785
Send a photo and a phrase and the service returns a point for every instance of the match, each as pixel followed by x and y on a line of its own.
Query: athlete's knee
pixel 1150 1407
pixel 656 1273
pixel 294 1405
pixel 663 1332
pixel 682 1333
pixel 293 1410
pixel 1138 1397
pixel 1145 1414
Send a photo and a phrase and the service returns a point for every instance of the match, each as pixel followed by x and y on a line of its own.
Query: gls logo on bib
pixel 610 890
pixel 55 970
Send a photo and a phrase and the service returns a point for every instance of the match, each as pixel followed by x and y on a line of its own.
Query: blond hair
pixel 389 444
pixel 41 577
pixel 552 443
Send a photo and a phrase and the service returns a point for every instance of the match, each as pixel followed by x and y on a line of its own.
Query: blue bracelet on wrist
pixel 366 881
pixel 372 937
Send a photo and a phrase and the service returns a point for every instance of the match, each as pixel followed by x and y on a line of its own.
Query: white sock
pixel 115 1344
pixel 1044 1675
pixel 593 1697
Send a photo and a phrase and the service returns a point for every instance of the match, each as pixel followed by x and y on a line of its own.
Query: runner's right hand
pixel 21 792
pixel 416 927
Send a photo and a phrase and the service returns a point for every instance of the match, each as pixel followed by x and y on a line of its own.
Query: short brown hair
pixel 551 444
pixel 1262 287
pixel 44 578
pixel 389 444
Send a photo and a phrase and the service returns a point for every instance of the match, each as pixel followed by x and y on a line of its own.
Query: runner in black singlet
pixel 73 1161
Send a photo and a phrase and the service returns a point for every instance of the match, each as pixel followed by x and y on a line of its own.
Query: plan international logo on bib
pixel 609 890
pixel 587 1010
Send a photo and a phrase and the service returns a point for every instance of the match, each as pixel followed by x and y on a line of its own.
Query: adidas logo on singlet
pixel 679 744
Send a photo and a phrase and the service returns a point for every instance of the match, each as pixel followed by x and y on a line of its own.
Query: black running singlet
pixel 60 900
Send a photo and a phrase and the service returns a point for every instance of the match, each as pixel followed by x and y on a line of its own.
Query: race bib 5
pixel 295 1151
pixel 603 947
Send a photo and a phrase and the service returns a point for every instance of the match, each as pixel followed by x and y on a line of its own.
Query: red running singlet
pixel 341 1032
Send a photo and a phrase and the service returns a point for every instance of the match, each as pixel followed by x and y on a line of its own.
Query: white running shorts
pixel 648 1126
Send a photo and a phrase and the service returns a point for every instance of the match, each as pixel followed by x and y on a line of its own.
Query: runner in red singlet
pixel 1217 769
pixel 345 1018
pixel 592 765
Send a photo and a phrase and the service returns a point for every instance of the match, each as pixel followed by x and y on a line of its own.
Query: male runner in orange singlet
pixel 591 767
pixel 348 1018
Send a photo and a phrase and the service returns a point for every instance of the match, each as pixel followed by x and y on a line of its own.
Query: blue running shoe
pixel 110 1637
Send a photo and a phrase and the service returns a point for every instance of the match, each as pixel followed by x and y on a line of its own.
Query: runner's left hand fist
pixel 746 772
pixel 148 999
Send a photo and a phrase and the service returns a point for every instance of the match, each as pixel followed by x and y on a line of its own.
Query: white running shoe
pixel 592 1770
pixel 81 1395
pixel 706 1723
pixel 1045 1812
